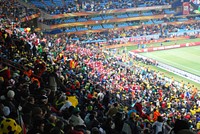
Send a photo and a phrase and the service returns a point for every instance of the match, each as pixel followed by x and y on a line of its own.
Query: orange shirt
pixel 155 115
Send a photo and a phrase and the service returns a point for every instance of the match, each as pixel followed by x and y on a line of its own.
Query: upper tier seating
pixel 38 4
pixel 48 3
pixel 69 6
pixel 58 3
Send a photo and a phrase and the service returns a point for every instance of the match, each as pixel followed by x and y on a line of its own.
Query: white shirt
pixel 66 105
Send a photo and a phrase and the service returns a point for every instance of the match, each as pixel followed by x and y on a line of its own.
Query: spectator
pixel 75 118
pixel 158 126
pixel 130 126
pixel 182 127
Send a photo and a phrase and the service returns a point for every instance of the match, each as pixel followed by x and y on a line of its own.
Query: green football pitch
pixel 184 58
pixel 187 59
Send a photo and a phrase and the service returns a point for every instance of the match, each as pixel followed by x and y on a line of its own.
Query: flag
pixel 186 8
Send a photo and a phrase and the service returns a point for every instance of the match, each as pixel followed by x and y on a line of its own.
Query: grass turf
pixel 187 59
pixel 167 73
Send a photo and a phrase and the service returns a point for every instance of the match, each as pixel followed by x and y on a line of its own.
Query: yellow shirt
pixel 169 105
pixel 198 125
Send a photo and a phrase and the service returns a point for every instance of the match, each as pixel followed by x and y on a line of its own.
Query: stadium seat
pixel 70 20
pixel 197 18
pixel 177 3
pixel 182 19
pixel 58 3
pixel 71 30
pixel 81 28
pixel 108 26
pixel 133 15
pixel 48 3
pixel 167 11
pixel 122 16
pixel 96 18
pixel 158 21
pixel 122 24
pixel 142 5
pixel 38 4
pixel 106 17
pixel 149 13
pixel 95 27
pixel 149 22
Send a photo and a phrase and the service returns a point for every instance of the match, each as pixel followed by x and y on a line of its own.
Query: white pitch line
pixel 185 67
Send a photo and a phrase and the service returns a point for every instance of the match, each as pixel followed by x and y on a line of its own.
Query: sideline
pixel 182 73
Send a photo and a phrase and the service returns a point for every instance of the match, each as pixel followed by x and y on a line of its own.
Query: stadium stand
pixel 106 17
pixel 96 27
pixel 72 6
pixel 167 11
pixel 66 83
pixel 73 29
pixel 122 16
pixel 48 3
pixel 96 18
pixel 38 4
pixel 81 28
pixel 110 26
pixel 41 92
pixel 99 17
pixel 58 3
pixel 133 15
pixel 17 11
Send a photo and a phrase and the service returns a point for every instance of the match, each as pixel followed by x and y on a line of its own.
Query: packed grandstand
pixel 61 71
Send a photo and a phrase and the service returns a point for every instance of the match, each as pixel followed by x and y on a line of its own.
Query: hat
pixel 8 125
pixel 44 98
pixel 89 108
pixel 11 82
pixel 1 79
pixel 95 130
pixel 10 94
pixel 15 75
pixel 6 110
pixel 2 97
pixel 76 110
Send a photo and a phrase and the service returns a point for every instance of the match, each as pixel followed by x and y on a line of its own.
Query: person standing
pixel 130 126
pixel 158 125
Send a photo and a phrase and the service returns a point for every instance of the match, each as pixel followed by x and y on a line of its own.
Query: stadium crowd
pixel 50 86
pixel 15 10
pixel 113 37
pixel 98 5
pixel 90 18
pixel 73 89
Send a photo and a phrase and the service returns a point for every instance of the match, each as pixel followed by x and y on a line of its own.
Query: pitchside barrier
pixel 151 49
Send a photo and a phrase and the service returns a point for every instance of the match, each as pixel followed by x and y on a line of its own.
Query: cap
pixel 10 94
pixel 6 110
pixel 76 110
